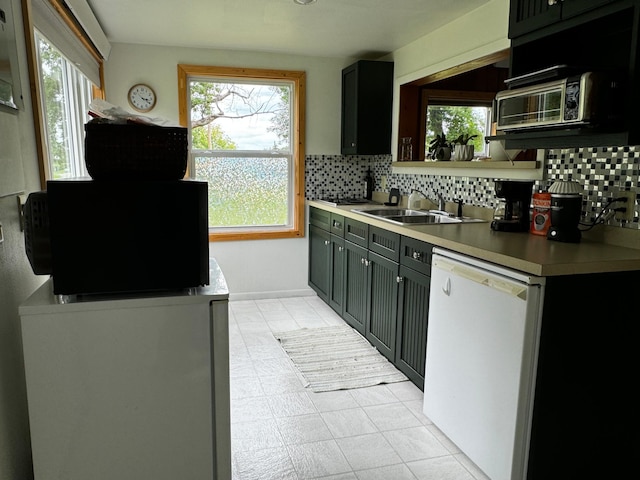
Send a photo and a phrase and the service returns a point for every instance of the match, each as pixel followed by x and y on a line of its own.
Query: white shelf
pixel 504 169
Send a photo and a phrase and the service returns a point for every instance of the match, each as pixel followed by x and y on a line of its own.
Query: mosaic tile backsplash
pixel 601 171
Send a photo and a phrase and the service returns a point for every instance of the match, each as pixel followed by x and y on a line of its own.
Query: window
pixel 246 140
pixel 65 97
pixel 457 113
pixel 66 73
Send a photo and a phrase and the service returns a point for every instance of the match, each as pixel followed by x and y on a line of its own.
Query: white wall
pixel 254 268
pixel 17 281
pixel 279 267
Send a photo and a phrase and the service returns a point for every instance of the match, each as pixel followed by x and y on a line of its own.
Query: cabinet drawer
pixel 356 232
pixel 337 225
pixel 384 242
pixel 320 218
pixel 416 255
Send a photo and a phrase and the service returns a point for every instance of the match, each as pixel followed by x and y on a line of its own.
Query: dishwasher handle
pixel 509 287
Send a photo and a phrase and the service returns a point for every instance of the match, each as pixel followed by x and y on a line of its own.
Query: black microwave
pixel 119 236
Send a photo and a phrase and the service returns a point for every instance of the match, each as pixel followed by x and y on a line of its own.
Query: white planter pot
pixel 463 153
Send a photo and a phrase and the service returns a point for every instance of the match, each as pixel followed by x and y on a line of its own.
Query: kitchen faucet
pixel 439 199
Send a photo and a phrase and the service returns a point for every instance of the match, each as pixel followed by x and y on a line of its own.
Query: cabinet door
pixel 367 96
pixel 528 15
pixel 355 280
pixel 413 314
pixel 383 303
pixel 336 284
pixel 319 265
pixel 349 110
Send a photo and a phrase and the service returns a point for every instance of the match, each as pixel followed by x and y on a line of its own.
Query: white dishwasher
pixel 484 329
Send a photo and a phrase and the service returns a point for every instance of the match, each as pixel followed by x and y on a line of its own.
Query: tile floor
pixel 281 431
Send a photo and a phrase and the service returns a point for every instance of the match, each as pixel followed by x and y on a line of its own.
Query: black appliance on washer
pixel 120 236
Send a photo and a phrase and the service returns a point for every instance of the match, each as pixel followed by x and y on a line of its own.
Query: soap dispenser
pixel 414 200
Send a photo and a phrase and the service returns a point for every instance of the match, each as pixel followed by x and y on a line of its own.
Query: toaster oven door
pixel 526 108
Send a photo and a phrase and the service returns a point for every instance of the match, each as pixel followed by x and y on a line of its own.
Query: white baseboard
pixel 306 292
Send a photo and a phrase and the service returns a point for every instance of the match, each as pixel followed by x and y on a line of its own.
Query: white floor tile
pixel 405 391
pixel 330 401
pixel 395 472
pixel 368 451
pixel 341 476
pixel 392 416
pixel 318 459
pixel 269 464
pixel 245 387
pixel 416 443
pixel 249 409
pixel 291 404
pixel 376 395
pixel 255 435
pixel 286 382
pixel 441 468
pixel 347 423
pixel 303 429
pixel 280 430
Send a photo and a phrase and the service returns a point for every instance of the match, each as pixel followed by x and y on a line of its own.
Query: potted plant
pixel 463 151
pixel 440 148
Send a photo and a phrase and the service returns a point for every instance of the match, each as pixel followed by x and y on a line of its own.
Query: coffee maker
pixel 512 215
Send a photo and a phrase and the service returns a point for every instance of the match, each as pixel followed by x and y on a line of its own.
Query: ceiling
pixel 328 28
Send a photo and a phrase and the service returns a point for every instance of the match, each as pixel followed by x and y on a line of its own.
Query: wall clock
pixel 142 97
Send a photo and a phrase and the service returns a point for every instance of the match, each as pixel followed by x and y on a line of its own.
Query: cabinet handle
pixel 552 2
pixel 399 279
pixel 327 242
pixel 367 263
pixel 353 144
pixel 337 224
pixel 362 260
pixel 340 249
pixel 416 255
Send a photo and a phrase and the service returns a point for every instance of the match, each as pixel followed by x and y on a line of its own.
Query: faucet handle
pixel 460 202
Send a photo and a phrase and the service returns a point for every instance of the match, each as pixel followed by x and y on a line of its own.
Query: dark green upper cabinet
pixel 367 94
pixel 526 16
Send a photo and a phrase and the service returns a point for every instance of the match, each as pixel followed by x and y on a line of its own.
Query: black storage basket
pixel 135 151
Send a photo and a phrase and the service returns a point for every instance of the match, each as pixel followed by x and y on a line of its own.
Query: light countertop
pixel 522 251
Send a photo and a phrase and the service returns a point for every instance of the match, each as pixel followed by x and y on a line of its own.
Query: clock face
pixel 142 97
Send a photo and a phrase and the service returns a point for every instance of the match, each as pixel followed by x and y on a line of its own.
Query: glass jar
pixel 406 150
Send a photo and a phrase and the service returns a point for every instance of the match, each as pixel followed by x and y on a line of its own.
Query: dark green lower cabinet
pixel 319 265
pixel 378 281
pixel 355 286
pixel 383 302
pixel 413 312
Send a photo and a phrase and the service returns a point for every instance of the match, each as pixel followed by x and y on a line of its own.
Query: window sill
pixel 255 235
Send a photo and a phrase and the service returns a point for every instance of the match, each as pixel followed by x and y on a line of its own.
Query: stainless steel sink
pixel 406 216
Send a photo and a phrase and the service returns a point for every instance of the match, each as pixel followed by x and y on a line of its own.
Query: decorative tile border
pixel 601 171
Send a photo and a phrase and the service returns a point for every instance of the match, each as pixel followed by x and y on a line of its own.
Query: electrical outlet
pixel 630 205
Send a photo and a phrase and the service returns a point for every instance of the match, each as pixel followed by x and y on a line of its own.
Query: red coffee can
pixel 541 214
